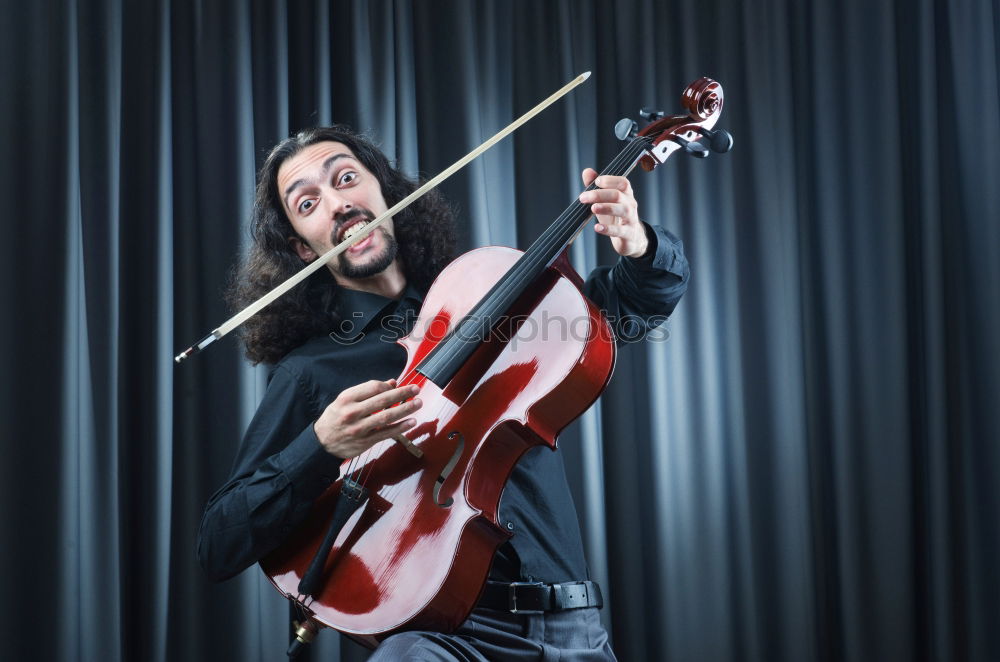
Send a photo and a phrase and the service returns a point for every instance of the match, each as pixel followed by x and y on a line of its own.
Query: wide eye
pixel 347 177
pixel 306 205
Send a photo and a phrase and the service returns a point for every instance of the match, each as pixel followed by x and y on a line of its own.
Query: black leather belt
pixel 536 598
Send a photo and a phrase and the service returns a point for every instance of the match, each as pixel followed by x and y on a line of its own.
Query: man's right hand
pixel 363 415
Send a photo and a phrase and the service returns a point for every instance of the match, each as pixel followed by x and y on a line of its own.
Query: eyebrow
pixel 326 169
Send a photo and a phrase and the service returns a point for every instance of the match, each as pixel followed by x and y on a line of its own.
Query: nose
pixel 339 205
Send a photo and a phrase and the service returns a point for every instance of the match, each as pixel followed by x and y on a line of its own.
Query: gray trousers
pixel 497 636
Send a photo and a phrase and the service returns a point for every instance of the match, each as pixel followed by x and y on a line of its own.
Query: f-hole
pixel 448 468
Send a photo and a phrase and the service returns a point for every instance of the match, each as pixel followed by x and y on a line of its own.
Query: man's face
pixel 328 195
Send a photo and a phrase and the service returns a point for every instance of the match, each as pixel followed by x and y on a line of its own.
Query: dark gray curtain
pixel 802 466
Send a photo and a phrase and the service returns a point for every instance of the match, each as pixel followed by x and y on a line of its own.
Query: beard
pixel 374 264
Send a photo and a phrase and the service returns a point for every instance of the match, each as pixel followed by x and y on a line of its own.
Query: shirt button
pixel 510 526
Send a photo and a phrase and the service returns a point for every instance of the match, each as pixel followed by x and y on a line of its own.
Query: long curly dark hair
pixel 425 233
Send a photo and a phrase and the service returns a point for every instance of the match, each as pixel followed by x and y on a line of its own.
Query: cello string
pixel 557 234
pixel 365 462
pixel 518 277
pixel 565 227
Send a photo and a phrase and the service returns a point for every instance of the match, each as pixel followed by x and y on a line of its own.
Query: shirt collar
pixel 358 310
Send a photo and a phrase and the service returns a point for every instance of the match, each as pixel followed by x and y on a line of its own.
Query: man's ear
pixel 302 248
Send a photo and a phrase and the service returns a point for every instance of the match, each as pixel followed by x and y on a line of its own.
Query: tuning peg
pixel 651 115
pixel 695 149
pixel 720 140
pixel 626 129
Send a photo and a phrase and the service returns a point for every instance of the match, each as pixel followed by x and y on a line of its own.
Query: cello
pixel 405 537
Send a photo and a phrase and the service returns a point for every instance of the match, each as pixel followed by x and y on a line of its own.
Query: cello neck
pixel 441 364
pixel 554 240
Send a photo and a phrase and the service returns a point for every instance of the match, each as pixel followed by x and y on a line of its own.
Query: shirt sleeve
pixel 279 471
pixel 639 294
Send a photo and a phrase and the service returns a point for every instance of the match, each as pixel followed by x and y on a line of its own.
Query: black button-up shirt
pixel 281 468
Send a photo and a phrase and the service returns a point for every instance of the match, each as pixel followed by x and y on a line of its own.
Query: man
pixel 332 382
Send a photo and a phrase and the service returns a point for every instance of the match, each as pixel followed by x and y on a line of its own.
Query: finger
pixel 362 392
pixel 613 210
pixel 602 195
pixel 387 399
pixel 588 176
pixel 619 231
pixel 388 432
pixel 614 182
pixel 380 419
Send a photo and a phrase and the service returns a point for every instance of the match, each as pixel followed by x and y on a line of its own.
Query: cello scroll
pixel 670 133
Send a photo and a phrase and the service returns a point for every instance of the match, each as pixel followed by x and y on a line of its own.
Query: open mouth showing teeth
pixel 352 230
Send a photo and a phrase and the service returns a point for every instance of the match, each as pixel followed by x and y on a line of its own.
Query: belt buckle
pixel 512 598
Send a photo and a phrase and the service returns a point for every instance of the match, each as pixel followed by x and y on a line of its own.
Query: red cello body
pixel 417 553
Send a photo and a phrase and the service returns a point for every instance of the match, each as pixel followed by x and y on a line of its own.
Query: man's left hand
pixel 617 212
